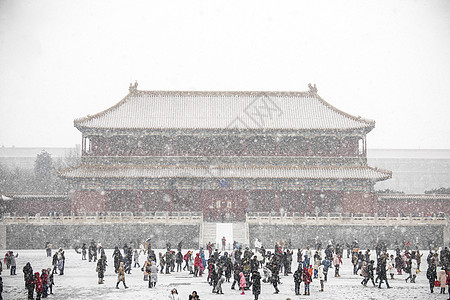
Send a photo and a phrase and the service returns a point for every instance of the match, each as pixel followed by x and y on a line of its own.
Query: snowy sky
pixel 384 60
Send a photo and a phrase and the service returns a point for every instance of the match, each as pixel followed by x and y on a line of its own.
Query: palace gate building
pixel 225 154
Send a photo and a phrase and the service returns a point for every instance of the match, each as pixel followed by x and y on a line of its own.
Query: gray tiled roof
pixel 139 171
pixel 221 110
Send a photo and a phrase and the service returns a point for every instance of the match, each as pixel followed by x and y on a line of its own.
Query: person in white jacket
pixel 391 266
pixel 174 295
pixel 321 276
pixel 414 268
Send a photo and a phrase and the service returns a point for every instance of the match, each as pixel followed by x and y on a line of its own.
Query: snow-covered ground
pixel 80 282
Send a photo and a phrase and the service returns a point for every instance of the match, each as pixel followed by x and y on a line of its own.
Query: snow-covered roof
pixel 223 110
pixel 143 171
pixel 414 197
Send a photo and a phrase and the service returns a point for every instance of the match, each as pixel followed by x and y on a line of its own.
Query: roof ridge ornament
pixel 133 87
pixel 312 88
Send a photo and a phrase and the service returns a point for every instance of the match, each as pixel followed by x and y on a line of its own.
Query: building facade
pixel 225 154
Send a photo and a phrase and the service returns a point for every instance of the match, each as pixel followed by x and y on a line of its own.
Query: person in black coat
pixel 382 273
pixel 117 256
pixel 254 264
pixel 431 275
pixel 27 273
pixel 275 277
pixel 179 260
pixel 256 286
pixel 83 252
pixel 228 269
pixel 298 275
pixel 55 263
pixel 370 270
pixel 29 280
pixel 194 296
pixel 101 264
pixel 236 277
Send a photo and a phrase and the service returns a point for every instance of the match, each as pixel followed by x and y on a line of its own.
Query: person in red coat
pixel 197 263
pixel 242 282
pixel 306 280
pixel 44 278
pixel 38 285
pixel 186 260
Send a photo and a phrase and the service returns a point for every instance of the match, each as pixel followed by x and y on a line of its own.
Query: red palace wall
pixel 89 201
pixel 359 202
pixel 414 207
pixel 224 204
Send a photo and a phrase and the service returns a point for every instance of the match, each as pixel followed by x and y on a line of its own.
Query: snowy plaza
pixel 80 282
pixel 158 132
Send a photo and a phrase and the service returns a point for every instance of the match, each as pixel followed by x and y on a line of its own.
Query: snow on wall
pixel 28 236
pixel 302 236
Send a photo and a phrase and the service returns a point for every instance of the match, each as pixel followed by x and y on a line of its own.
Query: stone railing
pixel 345 219
pixel 110 217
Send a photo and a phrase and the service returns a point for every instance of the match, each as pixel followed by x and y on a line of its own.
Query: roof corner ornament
pixel 133 87
pixel 312 88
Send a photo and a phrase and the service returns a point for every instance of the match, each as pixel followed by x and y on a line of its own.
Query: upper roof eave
pixel 81 123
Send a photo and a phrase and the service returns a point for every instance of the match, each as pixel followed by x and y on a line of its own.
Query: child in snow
pixel 242 283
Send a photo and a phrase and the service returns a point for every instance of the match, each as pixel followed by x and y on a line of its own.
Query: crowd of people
pixel 42 283
pixel 245 268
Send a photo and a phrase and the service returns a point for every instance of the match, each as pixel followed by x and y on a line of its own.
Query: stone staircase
pixel 240 234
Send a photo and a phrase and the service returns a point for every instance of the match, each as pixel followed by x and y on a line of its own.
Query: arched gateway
pixel 224 154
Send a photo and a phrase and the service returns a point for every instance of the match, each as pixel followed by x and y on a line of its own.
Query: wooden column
pixel 309 141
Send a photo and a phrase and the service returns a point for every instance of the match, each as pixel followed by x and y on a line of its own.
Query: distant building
pixel 224 153
pixel 24 157
pixel 414 171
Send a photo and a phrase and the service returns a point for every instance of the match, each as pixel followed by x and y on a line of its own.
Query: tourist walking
pixel 44 278
pixel 117 256
pixel 48 249
pixel 146 268
pixel 256 286
pixel 382 273
pixel 83 251
pixel 38 285
pixel 61 261
pixel 136 258
pixel 29 279
pixel 431 275
pixel 337 261
pixel 12 258
pixel 322 276
pixel 306 280
pixel 242 282
pixel 101 264
pixel 51 281
pixel 298 274
pixel 442 279
pixel 153 274
pixel 121 276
